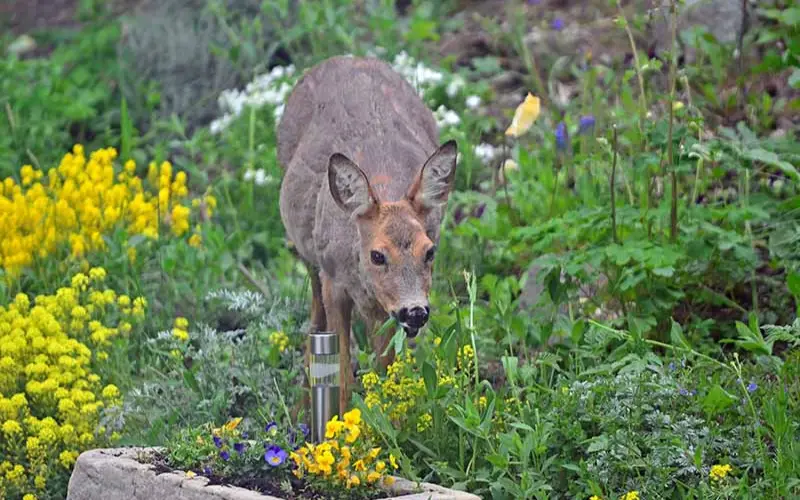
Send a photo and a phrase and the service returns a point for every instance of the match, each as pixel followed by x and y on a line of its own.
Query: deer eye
pixel 430 254
pixel 377 258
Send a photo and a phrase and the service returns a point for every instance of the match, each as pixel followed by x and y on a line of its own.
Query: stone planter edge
pixel 118 473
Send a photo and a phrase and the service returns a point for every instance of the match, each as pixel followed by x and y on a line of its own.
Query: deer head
pixel 397 239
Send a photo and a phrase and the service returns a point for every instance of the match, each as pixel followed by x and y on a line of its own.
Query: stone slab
pixel 119 474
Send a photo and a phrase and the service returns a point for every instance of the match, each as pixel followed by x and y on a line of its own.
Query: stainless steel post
pixel 324 377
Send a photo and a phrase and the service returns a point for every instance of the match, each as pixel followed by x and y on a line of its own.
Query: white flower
pixel 455 85
pixel 485 152
pixel 249 174
pixel 473 101
pixel 446 117
pixel 261 177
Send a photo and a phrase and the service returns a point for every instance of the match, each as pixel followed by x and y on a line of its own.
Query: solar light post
pixel 324 381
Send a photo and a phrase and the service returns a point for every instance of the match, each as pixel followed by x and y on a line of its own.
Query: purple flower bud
pixel 561 135
pixel 558 24
pixel 207 471
pixel 305 429
pixel 586 123
pixel 217 442
pixel 239 447
pixel 479 211
pixel 225 455
pixel 751 387
pixel 683 392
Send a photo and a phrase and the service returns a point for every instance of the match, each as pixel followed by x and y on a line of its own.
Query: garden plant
pixel 615 308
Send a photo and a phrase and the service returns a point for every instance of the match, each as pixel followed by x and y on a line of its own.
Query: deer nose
pixel 416 317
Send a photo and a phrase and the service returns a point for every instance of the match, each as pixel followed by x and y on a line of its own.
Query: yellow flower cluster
pixel 50 397
pixel 345 458
pixel 718 472
pixel 80 201
pixel 180 330
pixel 631 495
pixel 280 340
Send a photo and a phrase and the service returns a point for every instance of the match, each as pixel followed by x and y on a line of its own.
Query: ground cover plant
pixel 616 293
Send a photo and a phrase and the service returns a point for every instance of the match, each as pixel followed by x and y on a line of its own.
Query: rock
pixel 120 474
pixel 722 18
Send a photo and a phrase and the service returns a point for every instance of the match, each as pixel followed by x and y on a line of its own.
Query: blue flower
pixel 217 442
pixel 225 455
pixel 239 447
pixel 207 471
pixel 561 135
pixel 275 455
pixel 305 430
pixel 672 366
pixel 684 392
pixel 558 24
pixel 751 387
pixel 245 435
pixel 586 123
pixel 271 428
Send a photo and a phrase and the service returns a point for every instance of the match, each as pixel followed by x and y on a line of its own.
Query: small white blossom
pixel 446 117
pixel 485 152
pixel 473 101
pixel 455 86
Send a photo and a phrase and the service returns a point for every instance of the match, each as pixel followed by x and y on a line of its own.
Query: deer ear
pixel 349 186
pixel 435 180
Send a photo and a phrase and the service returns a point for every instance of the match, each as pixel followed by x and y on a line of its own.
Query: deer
pixel 365 187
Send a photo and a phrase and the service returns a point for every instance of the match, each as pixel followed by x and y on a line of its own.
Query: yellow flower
pixel 524 116
pixel 29 496
pixel 181 322
pixel 369 380
pixel 353 481
pixel 195 240
pixel 353 434
pixel 595 497
pixel 424 422
pixel 373 476
pixel 232 424
pixel 631 495
pixel 11 428
pixel 180 334
pixel 718 472
pixel 388 480
pixel 190 474
pixel 380 466
pixel 333 427
pixel 352 417
pixel 393 461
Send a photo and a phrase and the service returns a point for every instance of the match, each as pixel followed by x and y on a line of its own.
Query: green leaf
pixel 665 272
pixel 717 400
pixel 598 443
pixel 794 79
pixel 793 283
pixel 676 336
pixel 772 159
pixel 429 375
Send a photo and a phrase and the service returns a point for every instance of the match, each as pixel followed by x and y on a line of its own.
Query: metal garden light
pixel 324 381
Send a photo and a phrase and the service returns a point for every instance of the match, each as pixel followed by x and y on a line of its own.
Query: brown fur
pixel 363 174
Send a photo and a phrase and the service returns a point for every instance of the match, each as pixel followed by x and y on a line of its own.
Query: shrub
pixel 76 205
pixel 52 399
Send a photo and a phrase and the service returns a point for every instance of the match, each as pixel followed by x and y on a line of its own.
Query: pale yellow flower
pixel 524 116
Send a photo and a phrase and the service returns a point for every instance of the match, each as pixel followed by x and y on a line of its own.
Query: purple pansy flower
pixel 751 387
pixel 558 24
pixel 217 442
pixel 207 471
pixel 586 123
pixel 225 455
pixel 304 429
pixel 275 455
pixel 271 428
pixel 239 447
pixel 561 135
